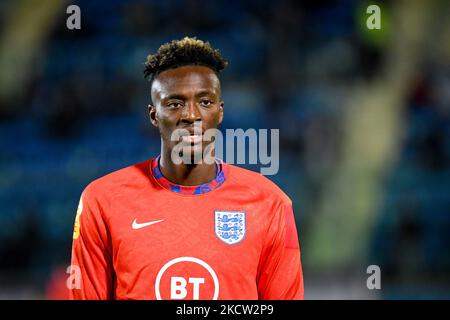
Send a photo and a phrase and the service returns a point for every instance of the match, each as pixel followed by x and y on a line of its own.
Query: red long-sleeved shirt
pixel 139 236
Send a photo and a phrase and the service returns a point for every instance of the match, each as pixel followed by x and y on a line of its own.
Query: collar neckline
pixel 188 190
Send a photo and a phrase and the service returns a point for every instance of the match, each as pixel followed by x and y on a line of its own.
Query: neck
pixel 186 174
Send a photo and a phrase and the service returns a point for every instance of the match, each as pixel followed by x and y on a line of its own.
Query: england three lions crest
pixel 229 226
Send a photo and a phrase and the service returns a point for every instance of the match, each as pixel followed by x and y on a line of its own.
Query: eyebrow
pixel 182 97
pixel 204 93
pixel 174 96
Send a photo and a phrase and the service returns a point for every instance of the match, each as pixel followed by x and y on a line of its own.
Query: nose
pixel 190 113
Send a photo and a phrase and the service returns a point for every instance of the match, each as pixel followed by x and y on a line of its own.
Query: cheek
pixel 166 124
pixel 213 118
pixel 166 118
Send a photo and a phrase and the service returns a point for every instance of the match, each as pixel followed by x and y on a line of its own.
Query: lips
pixel 192 135
pixel 192 139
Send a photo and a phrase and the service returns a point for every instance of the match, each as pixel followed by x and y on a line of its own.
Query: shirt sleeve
pixel 280 275
pixel 91 265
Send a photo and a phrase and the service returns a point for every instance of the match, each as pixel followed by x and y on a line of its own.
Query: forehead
pixel 185 80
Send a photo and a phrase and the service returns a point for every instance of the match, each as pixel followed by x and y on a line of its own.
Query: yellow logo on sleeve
pixel 76 229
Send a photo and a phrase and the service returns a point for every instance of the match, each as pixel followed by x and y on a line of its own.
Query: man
pixel 165 229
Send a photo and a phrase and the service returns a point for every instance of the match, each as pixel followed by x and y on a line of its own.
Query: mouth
pixel 193 136
pixel 192 139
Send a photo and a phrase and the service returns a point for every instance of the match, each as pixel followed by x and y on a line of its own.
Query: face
pixel 186 98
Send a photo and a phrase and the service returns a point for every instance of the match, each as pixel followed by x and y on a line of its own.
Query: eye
pixel 206 103
pixel 175 104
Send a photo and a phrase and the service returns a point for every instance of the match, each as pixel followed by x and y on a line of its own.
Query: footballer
pixel 162 229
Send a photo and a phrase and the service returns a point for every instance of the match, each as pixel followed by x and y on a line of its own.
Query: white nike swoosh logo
pixel 136 225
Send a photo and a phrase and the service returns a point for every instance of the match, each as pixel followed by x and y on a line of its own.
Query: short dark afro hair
pixel 187 51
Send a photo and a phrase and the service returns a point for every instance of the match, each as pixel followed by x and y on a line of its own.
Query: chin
pixel 193 154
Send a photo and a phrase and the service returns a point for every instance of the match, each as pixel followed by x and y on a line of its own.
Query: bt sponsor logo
pixel 186 278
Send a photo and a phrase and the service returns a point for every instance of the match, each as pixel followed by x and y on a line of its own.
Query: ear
pixel 221 104
pixel 152 114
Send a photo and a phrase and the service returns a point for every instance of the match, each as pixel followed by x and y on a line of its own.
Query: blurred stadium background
pixel 364 119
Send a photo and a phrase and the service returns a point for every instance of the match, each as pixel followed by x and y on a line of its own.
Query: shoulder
pixel 116 180
pixel 258 183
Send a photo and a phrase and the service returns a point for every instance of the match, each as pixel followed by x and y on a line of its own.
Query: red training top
pixel 139 236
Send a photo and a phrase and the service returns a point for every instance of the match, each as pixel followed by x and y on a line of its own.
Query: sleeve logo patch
pixel 76 229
